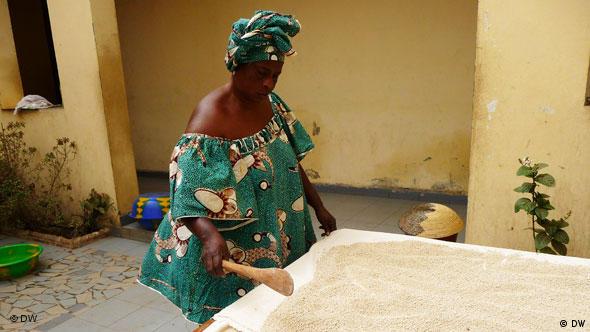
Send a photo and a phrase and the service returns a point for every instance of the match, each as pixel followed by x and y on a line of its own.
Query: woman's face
pixel 256 80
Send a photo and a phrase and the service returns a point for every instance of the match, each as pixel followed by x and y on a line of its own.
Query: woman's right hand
pixel 214 250
pixel 213 246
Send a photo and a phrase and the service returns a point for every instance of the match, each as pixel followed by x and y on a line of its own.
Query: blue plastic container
pixel 149 209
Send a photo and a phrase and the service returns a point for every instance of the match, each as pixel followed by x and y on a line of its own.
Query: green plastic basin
pixel 18 259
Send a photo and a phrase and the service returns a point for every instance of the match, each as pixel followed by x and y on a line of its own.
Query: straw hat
pixel 431 220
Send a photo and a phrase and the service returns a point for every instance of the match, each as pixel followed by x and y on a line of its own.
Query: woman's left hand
pixel 327 220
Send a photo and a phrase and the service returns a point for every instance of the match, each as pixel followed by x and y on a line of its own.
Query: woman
pixel 236 188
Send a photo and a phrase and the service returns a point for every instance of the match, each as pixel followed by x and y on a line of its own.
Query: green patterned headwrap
pixel 264 37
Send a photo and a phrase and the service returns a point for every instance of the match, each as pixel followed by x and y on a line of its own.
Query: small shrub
pixel 97 212
pixel 34 196
pixel 550 238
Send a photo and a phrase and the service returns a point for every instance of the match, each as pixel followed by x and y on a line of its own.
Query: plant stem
pixel 58 172
pixel 533 215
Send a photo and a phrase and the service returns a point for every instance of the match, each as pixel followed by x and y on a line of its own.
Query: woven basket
pixel 431 220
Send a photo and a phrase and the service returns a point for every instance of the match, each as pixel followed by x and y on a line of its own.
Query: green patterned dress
pixel 252 191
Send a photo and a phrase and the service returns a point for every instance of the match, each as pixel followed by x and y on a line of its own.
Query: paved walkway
pixel 88 289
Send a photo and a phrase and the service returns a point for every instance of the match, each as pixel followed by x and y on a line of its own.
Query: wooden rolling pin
pixel 277 279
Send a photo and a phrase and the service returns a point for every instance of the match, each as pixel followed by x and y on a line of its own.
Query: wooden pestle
pixel 277 279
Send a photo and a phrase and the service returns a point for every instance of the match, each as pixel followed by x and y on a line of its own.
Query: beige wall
pixel 10 85
pixel 388 83
pixel 114 99
pixel 82 117
pixel 532 62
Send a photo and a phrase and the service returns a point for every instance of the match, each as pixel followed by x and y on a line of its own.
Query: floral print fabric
pixel 251 190
pixel 266 36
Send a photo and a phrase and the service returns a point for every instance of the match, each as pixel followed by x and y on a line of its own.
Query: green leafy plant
pixel 15 165
pixel 14 195
pixel 550 237
pixel 97 212
pixel 15 156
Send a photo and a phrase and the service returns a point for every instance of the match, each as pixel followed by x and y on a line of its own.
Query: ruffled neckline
pixel 251 142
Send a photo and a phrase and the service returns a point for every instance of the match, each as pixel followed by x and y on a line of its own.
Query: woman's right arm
pixel 214 249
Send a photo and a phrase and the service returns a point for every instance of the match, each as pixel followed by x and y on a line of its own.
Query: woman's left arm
pixel 327 221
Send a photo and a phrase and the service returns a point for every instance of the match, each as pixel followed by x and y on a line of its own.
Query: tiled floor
pixel 123 307
pixel 138 308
